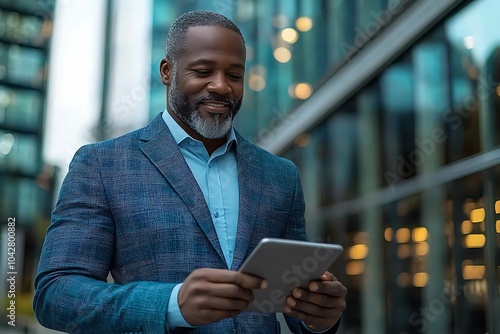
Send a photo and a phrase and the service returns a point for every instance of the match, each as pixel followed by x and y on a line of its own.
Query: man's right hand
pixel 208 295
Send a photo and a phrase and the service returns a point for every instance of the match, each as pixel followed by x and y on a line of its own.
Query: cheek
pixel 238 90
pixel 193 86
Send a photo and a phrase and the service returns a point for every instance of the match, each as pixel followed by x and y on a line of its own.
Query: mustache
pixel 213 97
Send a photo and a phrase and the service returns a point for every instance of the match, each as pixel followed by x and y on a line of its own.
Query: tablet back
pixel 286 264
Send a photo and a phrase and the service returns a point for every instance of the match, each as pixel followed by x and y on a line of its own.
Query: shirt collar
pixel 180 134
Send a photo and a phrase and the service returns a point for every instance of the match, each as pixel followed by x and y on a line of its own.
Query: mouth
pixel 215 107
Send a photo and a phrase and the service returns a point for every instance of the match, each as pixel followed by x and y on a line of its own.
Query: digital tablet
pixel 286 265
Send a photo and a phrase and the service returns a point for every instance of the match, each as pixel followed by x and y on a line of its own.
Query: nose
pixel 218 84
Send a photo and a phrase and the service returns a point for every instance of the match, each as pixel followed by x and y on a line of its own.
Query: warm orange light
pixel 474 272
pixel 355 267
pixel 419 234
pixel 421 249
pixel 477 215
pixel 497 203
pixel 420 279
pixel 498 226
pixel 466 227
pixel 304 23
pixel 358 252
pixel 388 234
pixel 282 54
pixel 475 240
pixel 303 91
pixel 403 235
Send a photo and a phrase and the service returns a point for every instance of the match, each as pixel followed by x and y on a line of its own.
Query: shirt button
pixel 216 214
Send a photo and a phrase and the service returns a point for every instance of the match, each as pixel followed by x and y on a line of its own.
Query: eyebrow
pixel 204 61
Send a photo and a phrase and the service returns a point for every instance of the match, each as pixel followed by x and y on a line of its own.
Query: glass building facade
pixel 404 173
pixel 26 183
pixel 390 110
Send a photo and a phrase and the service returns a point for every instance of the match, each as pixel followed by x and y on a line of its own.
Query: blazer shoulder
pixel 123 140
pixel 154 130
pixel 127 140
pixel 270 162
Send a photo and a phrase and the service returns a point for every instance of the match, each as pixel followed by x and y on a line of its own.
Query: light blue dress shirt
pixel 217 176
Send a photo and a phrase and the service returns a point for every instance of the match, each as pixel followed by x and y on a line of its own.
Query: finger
pixel 247 281
pixel 227 290
pixel 320 299
pixel 221 304
pixel 243 280
pixel 309 308
pixel 332 288
pixel 328 276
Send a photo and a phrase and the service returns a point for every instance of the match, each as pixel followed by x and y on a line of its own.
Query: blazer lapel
pixel 160 147
pixel 250 186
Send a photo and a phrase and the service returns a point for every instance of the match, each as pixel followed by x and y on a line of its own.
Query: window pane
pixel 19 152
pixel 21 199
pixel 20 28
pixel 22 65
pixel 20 109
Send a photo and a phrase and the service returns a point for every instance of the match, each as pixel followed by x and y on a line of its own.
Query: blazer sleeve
pixel 296 230
pixel 71 291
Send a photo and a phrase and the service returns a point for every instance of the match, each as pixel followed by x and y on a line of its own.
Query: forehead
pixel 217 43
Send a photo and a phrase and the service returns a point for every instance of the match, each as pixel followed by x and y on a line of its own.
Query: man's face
pixel 206 86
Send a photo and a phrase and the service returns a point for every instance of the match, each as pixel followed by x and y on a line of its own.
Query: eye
pixel 235 76
pixel 202 72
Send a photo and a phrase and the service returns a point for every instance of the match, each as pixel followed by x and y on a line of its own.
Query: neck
pixel 212 144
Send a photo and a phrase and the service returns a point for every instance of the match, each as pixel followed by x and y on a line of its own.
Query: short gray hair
pixel 197 18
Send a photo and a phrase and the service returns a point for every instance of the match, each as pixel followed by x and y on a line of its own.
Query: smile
pixel 215 107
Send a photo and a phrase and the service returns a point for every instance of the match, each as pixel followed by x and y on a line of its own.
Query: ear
pixel 166 74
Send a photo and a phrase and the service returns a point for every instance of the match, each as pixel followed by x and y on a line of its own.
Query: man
pixel 173 209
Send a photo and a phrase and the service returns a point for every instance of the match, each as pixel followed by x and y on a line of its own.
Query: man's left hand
pixel 321 307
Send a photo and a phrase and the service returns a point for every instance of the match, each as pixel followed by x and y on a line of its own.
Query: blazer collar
pixel 160 147
pixel 250 187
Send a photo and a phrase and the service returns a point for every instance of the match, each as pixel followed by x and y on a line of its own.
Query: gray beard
pixel 208 128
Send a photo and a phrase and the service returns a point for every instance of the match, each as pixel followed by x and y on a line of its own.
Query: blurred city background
pixel 390 109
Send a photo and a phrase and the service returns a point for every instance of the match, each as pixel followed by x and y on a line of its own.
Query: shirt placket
pixel 215 197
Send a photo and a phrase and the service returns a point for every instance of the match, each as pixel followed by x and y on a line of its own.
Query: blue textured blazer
pixel 131 206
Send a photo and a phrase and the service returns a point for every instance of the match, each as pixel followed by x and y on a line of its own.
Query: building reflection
pixel 408 173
